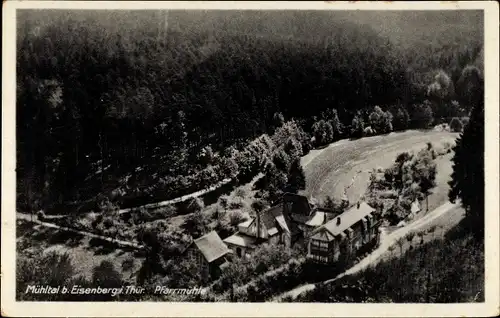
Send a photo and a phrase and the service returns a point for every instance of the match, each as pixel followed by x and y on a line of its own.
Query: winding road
pixel 178 199
pixel 386 241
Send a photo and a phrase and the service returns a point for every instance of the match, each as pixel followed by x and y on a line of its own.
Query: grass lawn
pixel 346 165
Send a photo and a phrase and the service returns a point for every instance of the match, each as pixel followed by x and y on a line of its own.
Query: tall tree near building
pixel 467 182
pixel 425 172
pixel 296 177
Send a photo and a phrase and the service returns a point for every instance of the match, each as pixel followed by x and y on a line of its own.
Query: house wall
pixel 319 250
pixel 248 230
pixel 197 257
pixel 252 230
pixel 362 234
pixel 214 267
pixel 306 230
pixel 275 239
pixel 286 239
pixel 356 239
pixel 239 251
pixel 245 230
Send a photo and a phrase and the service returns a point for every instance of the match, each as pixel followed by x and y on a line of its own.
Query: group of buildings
pixel 328 236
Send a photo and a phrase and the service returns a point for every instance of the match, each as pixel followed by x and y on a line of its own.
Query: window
pixel 319 250
pixel 319 258
pixel 317 244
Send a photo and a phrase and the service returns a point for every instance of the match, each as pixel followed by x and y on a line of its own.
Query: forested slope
pixel 113 100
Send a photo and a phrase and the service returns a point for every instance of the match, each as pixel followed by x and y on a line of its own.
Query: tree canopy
pixel 467 183
pixel 143 100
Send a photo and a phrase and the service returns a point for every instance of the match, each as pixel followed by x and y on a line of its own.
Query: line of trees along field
pixel 111 102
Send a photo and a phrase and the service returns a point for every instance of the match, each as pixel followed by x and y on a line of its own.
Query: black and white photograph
pixel 282 156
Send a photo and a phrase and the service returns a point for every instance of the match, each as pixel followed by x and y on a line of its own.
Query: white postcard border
pixel 155 309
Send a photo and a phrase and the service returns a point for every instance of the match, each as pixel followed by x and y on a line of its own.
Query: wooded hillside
pixel 102 96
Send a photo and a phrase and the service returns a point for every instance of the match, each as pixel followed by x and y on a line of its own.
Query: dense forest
pixel 111 103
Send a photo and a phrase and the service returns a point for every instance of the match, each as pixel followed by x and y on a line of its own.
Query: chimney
pixel 338 221
pixel 358 204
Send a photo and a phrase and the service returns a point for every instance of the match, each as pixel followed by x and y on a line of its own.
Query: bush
pixel 465 121
pixel 401 119
pixel 410 177
pixel 294 273
pixel 323 132
pixel 456 125
pixel 357 126
pixel 128 264
pixel 224 228
pixel 422 115
pixel 191 206
pixel 39 268
pixel 381 121
pixel 236 218
pixel 236 205
pixel 368 131
pixel 150 215
pixel 105 275
pixel 196 224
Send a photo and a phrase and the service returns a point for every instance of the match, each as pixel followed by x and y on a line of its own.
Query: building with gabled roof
pixel 345 234
pixel 269 226
pixel 210 253
pixel 284 223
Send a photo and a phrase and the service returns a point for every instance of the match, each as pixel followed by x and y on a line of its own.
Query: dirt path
pixel 34 219
pixel 179 199
pixel 386 240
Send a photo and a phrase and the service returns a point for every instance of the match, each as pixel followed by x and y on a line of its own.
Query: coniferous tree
pixel 357 126
pixel 456 125
pixel 296 177
pixel 467 183
pixel 401 119
pixel 422 115
pixel 331 115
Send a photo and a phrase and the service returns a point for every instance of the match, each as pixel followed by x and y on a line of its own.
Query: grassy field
pixel 346 164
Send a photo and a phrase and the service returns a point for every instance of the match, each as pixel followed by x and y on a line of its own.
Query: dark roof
pixel 268 217
pixel 348 218
pixel 296 204
pixel 317 217
pixel 211 246
pixel 291 227
pixel 274 217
